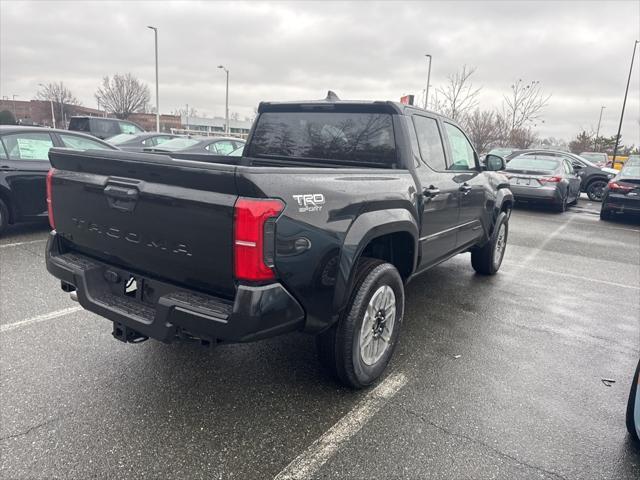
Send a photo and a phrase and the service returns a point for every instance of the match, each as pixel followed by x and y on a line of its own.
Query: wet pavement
pixel 502 377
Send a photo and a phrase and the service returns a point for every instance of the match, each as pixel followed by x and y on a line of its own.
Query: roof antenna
pixel 331 97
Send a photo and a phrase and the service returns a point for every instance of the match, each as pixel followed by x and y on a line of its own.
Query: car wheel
pixel 4 216
pixel 595 190
pixel 632 414
pixel 575 201
pixel 359 346
pixel 562 206
pixel 487 259
pixel 605 214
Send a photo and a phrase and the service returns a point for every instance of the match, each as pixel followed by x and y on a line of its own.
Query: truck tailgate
pixel 169 218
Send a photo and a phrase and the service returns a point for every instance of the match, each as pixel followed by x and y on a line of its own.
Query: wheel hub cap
pixel 377 325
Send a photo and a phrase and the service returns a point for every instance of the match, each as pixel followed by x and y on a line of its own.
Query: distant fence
pixel 204 133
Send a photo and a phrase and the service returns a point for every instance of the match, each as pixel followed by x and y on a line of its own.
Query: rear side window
pixel 104 128
pixel 223 147
pixel 126 127
pixel 326 136
pixel 430 142
pixel 81 143
pixel 28 146
pixel 79 124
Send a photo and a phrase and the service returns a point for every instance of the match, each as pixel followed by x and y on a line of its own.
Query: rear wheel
pixel 562 206
pixel 595 190
pixel 4 216
pixel 605 214
pixel 358 348
pixel 575 201
pixel 486 260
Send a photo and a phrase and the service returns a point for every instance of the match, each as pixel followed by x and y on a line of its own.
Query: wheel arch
pixel 390 235
pixel 6 198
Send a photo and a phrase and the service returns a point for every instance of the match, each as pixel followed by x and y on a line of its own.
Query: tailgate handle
pixel 121 198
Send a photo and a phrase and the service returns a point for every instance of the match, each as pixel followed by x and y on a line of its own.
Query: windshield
pixel 631 168
pixel 121 138
pixel 594 156
pixel 179 143
pixel 326 136
pixel 533 163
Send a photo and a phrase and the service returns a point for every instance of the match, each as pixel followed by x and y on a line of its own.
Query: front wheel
pixel 4 216
pixel 358 348
pixel 595 190
pixel 486 260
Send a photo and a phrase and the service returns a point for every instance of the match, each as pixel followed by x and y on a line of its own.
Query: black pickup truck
pixel 333 207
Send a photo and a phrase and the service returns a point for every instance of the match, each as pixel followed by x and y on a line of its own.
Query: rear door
pixel 469 182
pixel 26 166
pixel 573 178
pixel 440 204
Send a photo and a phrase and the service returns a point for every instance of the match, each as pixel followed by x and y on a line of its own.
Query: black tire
pixel 4 217
pixel 339 347
pixel 575 201
pixel 605 214
pixel 562 206
pixel 630 420
pixel 595 190
pixel 486 260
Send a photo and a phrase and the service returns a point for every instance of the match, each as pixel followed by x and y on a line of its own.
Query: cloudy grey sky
pixel 579 51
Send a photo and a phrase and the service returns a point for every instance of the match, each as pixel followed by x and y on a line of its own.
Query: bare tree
pixel 524 104
pixel 483 129
pixel 60 94
pixel 522 137
pixel 183 112
pixel 123 95
pixel 234 116
pixel 458 96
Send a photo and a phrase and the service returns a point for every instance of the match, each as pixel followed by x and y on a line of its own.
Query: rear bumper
pixel 542 194
pixel 166 312
pixel 621 203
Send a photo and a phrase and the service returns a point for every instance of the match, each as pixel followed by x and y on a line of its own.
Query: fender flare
pixel 365 228
pixel 503 195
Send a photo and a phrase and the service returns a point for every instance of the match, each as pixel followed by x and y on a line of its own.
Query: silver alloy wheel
pixel 377 326
pixel 499 248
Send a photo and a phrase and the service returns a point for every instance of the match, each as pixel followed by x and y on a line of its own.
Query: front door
pixel 26 166
pixel 439 200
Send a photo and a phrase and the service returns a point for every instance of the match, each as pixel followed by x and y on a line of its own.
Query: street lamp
pixel 53 118
pixel 598 129
pixel 14 106
pixel 226 128
pixel 624 102
pixel 426 95
pixel 155 34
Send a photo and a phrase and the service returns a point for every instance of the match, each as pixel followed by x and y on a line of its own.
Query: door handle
pixel 430 191
pixel 5 167
pixel 465 187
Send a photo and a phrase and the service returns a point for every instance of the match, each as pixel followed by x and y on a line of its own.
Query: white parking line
pixel 568 275
pixel 17 244
pixel 308 462
pixel 39 318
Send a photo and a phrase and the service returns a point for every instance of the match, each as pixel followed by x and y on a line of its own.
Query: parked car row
pixel 24 160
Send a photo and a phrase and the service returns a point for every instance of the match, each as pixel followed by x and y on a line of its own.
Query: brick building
pixel 148 121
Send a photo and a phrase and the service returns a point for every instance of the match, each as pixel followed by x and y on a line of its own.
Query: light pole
pixel 598 129
pixel 624 102
pixel 426 95
pixel 226 116
pixel 14 106
pixel 53 117
pixel 155 34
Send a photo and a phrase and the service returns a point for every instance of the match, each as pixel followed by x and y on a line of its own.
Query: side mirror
pixel 494 163
pixel 577 166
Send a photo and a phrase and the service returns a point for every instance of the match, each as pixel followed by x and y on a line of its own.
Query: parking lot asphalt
pixel 501 377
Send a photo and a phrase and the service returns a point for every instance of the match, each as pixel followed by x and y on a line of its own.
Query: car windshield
pixel 631 168
pixel 176 144
pixel 594 156
pixel 326 136
pixel 122 138
pixel 528 162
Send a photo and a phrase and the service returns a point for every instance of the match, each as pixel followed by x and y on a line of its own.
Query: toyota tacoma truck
pixel 332 208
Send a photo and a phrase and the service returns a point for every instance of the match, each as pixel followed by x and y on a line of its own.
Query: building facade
pixel 216 126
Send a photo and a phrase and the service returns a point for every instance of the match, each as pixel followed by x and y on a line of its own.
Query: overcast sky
pixel 579 51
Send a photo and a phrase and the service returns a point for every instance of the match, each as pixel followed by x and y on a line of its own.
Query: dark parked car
pixel 633 407
pixel 103 127
pixel 138 142
pixel 593 178
pixel 24 164
pixel 333 207
pixel 205 145
pixel 600 159
pixel 540 178
pixel 622 194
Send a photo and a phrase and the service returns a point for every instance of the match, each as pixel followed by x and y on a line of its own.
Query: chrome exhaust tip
pixel 74 296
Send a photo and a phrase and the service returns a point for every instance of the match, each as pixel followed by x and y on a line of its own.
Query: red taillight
pixel 52 223
pixel 254 238
pixel 555 179
pixel 619 187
